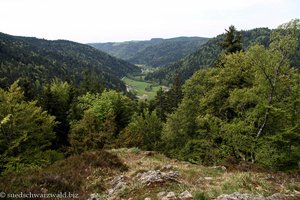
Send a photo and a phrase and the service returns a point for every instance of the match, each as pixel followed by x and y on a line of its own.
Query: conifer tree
pixel 233 41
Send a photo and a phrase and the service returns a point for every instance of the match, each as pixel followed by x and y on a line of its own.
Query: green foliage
pixel 56 99
pixel 141 88
pixel 155 52
pixel 25 131
pixel 246 109
pixel 166 102
pixel 42 60
pixel 143 131
pixel 167 52
pixel 206 56
pixel 102 118
pixel 233 41
pixel 201 196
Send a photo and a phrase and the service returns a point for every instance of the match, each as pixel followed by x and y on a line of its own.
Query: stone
pixel 156 176
pixel 185 195
pixel 168 167
pixel 270 177
pixel 149 153
pixel 147 198
pixel 223 168
pixel 117 184
pixel 278 196
pixel 161 194
pixel 119 179
pixel 153 176
pixel 94 196
pixel 169 196
pixel 239 196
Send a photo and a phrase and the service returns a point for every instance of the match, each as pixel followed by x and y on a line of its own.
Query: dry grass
pixel 92 172
pixel 79 174
pixel 205 182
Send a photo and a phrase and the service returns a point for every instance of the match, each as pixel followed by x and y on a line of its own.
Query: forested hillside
pixel 206 55
pixel 41 60
pixel 155 52
pixel 125 50
pixel 231 129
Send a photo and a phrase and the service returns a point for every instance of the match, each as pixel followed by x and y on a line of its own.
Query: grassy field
pixel 139 87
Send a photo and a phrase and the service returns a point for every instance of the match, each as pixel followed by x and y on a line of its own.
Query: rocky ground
pixel 152 176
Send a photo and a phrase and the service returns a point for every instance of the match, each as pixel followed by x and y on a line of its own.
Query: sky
pixel 89 21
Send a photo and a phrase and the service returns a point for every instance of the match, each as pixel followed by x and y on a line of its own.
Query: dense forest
pixel 155 52
pixel 38 61
pixel 207 55
pixel 60 99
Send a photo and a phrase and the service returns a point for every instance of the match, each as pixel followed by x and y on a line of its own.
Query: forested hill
pixel 41 60
pixel 155 52
pixel 206 55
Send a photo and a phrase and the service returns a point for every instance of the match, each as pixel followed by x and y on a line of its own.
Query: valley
pixel 156 52
pixel 140 88
pixel 161 119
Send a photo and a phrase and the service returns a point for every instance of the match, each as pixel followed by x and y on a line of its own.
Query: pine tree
pixel 233 41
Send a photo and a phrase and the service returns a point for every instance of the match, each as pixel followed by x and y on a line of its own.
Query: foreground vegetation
pixel 95 172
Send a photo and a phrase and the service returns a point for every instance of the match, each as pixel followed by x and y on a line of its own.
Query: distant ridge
pixel 41 60
pixel 205 56
pixel 155 52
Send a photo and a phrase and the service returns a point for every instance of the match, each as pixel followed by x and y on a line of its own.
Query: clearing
pixel 141 88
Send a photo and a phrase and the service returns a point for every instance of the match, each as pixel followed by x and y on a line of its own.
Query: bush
pixel 201 196
pixel 67 175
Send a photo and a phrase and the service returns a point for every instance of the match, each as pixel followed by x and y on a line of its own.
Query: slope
pixel 41 60
pixel 125 50
pixel 205 56
pixel 135 174
pixel 155 52
pixel 168 51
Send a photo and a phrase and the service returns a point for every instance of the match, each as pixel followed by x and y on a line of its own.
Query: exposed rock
pixel 149 153
pixel 117 184
pixel 147 198
pixel 169 196
pixel 203 179
pixel 208 178
pixel 160 194
pixel 167 167
pixel 239 196
pixel 278 196
pixel 185 195
pixel 94 196
pixel 156 176
pixel 223 168
pixel 270 177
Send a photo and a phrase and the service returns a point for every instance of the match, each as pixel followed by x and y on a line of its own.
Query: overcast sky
pixel 122 20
